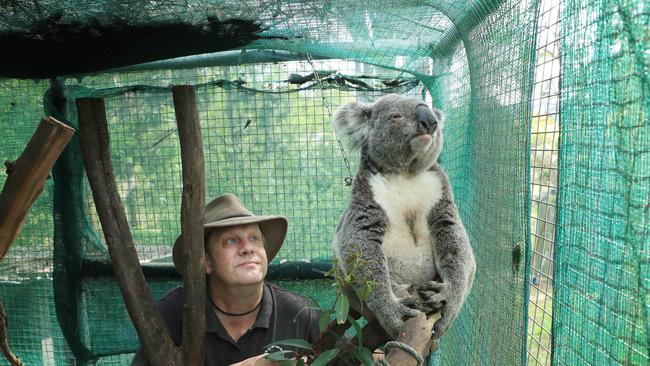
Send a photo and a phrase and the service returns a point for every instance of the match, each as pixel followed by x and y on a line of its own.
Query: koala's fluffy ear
pixel 351 123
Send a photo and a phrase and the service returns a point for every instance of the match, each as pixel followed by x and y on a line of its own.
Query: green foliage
pixel 299 343
pixel 325 357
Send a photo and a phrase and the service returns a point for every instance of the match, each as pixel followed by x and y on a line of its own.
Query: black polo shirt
pixel 280 317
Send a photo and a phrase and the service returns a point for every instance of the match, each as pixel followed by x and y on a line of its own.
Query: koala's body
pixel 401 227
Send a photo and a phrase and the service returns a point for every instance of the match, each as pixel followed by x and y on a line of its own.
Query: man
pixel 243 313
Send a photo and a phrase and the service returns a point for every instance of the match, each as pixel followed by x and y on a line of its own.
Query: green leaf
pixel 364 355
pixel 299 343
pixel 278 356
pixel 300 362
pixel 365 291
pixel 342 308
pixel 324 321
pixel 289 363
pixel 325 357
pixel 357 329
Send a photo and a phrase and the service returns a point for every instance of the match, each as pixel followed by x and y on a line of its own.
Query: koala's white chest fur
pixel 407 243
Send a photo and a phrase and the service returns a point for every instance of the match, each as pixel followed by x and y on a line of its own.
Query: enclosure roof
pixel 66 37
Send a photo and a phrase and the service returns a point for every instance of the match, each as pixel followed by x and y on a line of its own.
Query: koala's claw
pixel 434 286
pixel 408 312
pixel 410 301
pixel 441 326
pixel 433 301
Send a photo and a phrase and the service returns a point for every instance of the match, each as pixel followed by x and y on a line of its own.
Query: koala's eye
pixel 396 116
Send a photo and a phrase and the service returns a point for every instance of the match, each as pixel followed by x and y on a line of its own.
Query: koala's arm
pixel 359 240
pixel 454 258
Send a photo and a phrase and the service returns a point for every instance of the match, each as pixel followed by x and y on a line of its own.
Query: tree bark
pixel 192 210
pixel 4 340
pixel 155 340
pixel 417 334
pixel 27 177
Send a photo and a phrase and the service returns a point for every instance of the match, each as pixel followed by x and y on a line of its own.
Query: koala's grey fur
pixel 401 221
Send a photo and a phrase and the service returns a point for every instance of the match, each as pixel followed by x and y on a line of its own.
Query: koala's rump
pixel 407 243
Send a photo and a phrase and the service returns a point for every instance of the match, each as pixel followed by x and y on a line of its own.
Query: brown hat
pixel 227 210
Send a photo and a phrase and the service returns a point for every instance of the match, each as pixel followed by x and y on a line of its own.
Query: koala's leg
pixel 455 262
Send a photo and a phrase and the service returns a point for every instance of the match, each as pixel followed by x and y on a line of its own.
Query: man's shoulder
pixel 289 299
pixel 175 296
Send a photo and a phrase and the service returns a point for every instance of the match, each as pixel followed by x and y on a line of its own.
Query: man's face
pixel 236 255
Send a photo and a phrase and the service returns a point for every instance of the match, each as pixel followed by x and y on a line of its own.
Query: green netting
pixel 602 304
pixel 265 123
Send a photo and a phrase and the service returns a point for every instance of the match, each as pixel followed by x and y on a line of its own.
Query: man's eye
pixel 231 241
pixel 253 238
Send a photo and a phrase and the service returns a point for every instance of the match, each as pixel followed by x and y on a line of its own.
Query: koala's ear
pixel 351 122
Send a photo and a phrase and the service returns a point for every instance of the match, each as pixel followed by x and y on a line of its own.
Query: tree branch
pixel 192 209
pixel 4 340
pixel 155 339
pixel 27 177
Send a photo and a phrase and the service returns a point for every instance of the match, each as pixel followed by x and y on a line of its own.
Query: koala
pixel 401 227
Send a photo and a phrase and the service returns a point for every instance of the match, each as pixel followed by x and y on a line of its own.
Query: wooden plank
pixel 192 209
pixel 155 339
pixel 27 177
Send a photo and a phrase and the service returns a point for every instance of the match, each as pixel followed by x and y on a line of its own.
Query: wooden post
pixel 155 339
pixel 27 177
pixel 192 210
pixel 417 334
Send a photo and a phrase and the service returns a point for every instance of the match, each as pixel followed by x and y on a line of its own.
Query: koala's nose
pixel 423 127
pixel 426 121
pixel 427 125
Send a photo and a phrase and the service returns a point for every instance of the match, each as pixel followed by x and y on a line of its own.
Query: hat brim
pixel 273 228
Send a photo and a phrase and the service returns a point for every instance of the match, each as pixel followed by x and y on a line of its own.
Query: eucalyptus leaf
pixel 299 343
pixel 278 356
pixel 357 328
pixel 342 308
pixel 324 321
pixel 364 356
pixel 325 357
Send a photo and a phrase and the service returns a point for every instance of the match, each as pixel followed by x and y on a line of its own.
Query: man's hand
pixel 257 361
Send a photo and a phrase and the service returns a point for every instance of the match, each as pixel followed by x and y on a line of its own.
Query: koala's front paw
pixel 412 300
pixel 394 323
pixel 441 326
pixel 434 296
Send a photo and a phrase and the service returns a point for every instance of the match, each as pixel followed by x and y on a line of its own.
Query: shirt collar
pixel 266 308
pixel 263 320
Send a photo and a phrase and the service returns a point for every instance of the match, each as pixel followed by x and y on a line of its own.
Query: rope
pixel 348 179
pixel 404 347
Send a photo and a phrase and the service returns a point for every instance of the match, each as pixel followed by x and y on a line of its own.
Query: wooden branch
pixel 27 177
pixel 192 209
pixel 4 339
pixel 417 334
pixel 155 339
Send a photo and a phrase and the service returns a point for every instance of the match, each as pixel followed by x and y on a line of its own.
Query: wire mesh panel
pixel 267 138
pixel 601 313
pixel 487 101
pixel 545 136
pixel 26 291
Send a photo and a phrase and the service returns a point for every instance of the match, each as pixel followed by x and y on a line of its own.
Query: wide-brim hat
pixel 227 210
